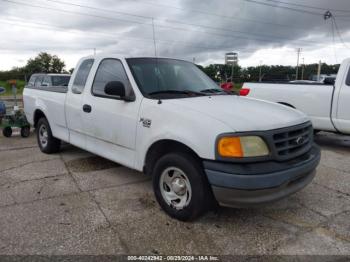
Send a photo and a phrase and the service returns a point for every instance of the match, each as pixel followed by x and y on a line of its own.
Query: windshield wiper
pixel 211 90
pixel 218 91
pixel 185 92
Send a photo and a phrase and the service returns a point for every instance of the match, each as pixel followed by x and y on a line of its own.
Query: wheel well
pixel 161 148
pixel 286 104
pixel 37 115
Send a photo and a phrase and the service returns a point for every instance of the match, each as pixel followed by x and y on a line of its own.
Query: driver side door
pixel 110 123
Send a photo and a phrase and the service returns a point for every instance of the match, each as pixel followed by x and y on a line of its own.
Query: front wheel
pixel 7 131
pixel 180 186
pixel 47 142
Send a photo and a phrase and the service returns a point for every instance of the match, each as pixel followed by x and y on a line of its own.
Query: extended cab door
pixel 109 122
pixel 342 98
pixel 74 103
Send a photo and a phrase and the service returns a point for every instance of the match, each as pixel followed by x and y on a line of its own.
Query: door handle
pixel 87 108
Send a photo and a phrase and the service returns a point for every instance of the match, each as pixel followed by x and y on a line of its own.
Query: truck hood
pixel 242 113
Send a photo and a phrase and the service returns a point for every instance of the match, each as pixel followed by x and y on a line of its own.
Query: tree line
pixel 42 63
pixel 47 63
pixel 222 73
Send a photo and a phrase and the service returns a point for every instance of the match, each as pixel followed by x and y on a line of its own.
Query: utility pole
pixel 319 71
pixel 260 78
pixel 94 51
pixel 232 72
pixel 297 70
pixel 302 69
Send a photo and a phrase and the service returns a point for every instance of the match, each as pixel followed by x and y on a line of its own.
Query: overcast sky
pixel 269 31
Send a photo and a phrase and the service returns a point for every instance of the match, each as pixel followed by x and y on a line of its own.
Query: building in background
pixel 231 58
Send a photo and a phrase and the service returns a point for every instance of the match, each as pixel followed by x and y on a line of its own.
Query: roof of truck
pixel 124 56
pixel 50 74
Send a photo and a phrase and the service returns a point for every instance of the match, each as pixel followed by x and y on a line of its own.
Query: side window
pixel 81 76
pixel 348 78
pixel 109 70
pixel 46 81
pixel 38 81
pixel 32 80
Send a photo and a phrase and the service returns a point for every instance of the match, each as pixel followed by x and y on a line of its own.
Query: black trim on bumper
pixel 249 184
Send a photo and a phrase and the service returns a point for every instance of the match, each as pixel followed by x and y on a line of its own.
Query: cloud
pixel 186 29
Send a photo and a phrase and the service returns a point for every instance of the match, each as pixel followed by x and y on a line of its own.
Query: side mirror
pixel 329 81
pixel 115 88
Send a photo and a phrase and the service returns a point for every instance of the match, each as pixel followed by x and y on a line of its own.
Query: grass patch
pixel 20 86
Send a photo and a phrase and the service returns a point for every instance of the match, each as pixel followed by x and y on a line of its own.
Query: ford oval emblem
pixel 299 140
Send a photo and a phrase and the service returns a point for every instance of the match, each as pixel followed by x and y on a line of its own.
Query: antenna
pixel 154 38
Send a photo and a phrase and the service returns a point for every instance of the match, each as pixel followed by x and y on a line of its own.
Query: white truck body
pixel 126 131
pixel 327 105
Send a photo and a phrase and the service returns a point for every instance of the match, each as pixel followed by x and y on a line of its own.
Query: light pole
pixel 297 70
pixel 260 71
pixel 302 69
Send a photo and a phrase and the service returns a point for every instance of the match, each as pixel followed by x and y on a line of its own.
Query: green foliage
pixel 221 73
pixel 44 63
pixel 20 86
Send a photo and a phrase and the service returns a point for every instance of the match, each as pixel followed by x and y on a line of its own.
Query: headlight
pixel 244 146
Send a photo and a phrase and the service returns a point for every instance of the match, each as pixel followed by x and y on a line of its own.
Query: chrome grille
pixel 293 141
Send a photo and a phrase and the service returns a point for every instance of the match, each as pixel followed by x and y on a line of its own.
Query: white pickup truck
pixel 328 105
pixel 166 118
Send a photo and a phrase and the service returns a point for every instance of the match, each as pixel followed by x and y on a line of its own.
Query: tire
pixel 47 143
pixel 7 131
pixel 25 131
pixel 172 173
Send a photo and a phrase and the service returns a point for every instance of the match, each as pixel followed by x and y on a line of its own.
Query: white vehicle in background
pixel 328 104
pixel 165 117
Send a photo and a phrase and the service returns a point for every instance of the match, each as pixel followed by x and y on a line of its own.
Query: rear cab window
pixel 32 80
pixel 81 76
pixel 38 81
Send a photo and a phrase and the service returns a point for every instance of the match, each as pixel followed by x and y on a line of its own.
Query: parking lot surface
pixel 77 203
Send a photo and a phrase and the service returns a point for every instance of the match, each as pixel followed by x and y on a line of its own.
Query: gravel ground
pixel 78 203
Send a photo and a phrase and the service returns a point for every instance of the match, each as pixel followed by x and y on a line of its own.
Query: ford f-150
pixel 166 118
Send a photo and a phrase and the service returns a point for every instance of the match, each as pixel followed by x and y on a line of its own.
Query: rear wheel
pixel 7 131
pixel 180 186
pixel 47 143
pixel 25 131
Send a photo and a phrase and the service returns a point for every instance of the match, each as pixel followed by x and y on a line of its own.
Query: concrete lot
pixel 78 203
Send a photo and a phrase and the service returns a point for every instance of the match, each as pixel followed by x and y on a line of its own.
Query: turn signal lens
pixel 244 146
pixel 230 147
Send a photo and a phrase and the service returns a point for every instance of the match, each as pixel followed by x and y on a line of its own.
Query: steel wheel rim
pixel 43 136
pixel 175 188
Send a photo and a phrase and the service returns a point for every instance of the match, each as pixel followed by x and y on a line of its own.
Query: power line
pixel 328 15
pixel 160 41
pixel 308 6
pixel 338 33
pixel 143 23
pixel 64 29
pixel 284 7
pixel 169 21
pixel 221 16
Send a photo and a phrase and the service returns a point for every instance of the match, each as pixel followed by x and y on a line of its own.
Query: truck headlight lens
pixel 244 146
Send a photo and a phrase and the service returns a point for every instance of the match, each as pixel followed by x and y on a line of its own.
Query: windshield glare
pixel 161 74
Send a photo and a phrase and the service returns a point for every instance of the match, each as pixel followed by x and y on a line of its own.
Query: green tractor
pixel 15 119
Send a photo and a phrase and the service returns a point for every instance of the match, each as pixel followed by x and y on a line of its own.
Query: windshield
pixel 60 80
pixel 160 76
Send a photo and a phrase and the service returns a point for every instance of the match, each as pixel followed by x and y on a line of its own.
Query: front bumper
pixel 251 184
